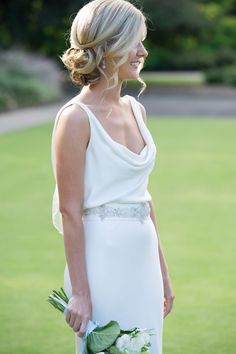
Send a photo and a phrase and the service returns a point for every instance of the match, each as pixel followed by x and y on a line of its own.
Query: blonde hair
pixel 103 29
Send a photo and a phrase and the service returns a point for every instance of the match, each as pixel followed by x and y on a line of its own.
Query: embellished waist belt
pixel 140 210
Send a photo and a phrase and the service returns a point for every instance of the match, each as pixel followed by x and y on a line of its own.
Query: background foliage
pixel 183 34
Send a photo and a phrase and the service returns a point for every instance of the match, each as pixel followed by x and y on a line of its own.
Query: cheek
pixel 125 67
pixel 132 56
pixel 125 71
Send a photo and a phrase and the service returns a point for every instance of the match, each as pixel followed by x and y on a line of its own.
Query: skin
pixel 73 127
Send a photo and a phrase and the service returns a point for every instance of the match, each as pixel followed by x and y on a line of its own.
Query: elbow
pixel 71 211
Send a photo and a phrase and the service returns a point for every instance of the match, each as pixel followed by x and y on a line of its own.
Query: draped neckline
pixel 107 135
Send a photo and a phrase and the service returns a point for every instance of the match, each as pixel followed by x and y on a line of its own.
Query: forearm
pixel 164 268
pixel 74 252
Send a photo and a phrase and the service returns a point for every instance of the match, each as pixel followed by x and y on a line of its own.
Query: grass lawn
pixel 172 78
pixel 194 191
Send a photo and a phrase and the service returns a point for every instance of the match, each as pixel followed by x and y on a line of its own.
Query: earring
pixel 103 64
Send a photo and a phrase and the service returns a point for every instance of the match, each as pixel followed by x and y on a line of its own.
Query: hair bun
pixel 82 65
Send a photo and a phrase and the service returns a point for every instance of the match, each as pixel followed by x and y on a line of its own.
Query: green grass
pixel 174 78
pixel 194 191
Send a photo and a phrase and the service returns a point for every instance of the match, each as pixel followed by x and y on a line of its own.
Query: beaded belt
pixel 139 210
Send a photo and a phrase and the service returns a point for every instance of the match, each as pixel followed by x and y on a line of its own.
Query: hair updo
pixel 102 29
pixel 82 65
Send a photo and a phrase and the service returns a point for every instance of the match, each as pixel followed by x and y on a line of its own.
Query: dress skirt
pixel 124 274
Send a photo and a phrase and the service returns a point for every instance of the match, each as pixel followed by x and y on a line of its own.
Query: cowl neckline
pixel 149 150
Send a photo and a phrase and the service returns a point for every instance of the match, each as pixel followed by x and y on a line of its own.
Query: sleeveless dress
pixel 121 251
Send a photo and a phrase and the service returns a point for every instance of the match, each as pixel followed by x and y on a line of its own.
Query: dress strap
pixel 136 108
pixel 80 104
pixel 84 107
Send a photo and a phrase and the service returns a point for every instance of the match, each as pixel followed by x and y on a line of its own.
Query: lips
pixel 135 64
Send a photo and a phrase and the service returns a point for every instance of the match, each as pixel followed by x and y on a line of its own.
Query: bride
pixel 102 156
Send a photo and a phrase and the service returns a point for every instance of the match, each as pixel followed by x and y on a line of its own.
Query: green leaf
pixel 128 331
pixel 114 350
pixel 103 337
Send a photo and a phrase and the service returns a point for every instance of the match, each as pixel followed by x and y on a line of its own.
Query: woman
pixel 102 155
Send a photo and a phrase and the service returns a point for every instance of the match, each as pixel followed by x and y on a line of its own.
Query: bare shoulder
pixel 73 116
pixel 73 125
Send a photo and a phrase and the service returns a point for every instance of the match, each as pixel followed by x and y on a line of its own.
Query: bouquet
pixel 108 339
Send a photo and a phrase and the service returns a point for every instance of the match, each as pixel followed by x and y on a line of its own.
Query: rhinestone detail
pixel 140 211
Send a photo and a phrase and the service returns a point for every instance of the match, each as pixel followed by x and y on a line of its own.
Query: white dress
pixel 121 251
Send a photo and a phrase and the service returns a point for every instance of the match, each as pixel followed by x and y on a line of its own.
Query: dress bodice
pixel 112 172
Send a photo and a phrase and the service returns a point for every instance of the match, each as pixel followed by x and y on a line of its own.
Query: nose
pixel 142 52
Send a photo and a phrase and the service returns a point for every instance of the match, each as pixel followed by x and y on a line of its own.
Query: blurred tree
pixel 168 16
pixel 232 7
pixel 182 34
pixel 37 25
pixel 190 34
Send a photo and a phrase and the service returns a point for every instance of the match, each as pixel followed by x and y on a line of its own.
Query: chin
pixel 131 76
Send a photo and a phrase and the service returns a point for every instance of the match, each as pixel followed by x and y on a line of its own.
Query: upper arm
pixel 71 139
pixel 143 111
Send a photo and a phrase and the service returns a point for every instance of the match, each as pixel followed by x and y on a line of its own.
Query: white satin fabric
pixel 124 274
pixel 113 173
pixel 121 253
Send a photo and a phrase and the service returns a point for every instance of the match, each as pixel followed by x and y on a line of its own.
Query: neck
pixel 99 95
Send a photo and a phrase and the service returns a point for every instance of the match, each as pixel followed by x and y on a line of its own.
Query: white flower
pixel 146 337
pixel 133 344
pixel 139 341
pixel 136 344
pixel 122 342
